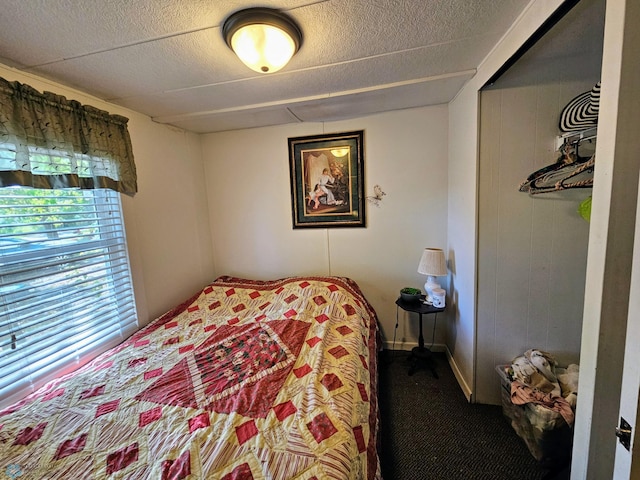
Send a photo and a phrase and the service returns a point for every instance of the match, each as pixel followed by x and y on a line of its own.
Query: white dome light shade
pixel 263 38
pixel 263 48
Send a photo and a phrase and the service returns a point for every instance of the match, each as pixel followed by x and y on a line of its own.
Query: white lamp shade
pixel 432 262
pixel 263 48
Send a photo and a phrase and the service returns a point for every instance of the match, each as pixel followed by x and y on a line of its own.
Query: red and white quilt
pixel 246 380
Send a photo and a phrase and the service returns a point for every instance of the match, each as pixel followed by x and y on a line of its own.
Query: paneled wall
pixel 532 250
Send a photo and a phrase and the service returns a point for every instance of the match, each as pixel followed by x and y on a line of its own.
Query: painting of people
pixel 327 180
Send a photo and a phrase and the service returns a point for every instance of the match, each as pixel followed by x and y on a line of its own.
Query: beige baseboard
pixel 461 381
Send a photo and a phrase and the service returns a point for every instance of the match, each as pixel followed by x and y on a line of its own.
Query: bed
pixel 246 380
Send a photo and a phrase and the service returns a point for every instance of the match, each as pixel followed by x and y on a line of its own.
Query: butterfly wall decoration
pixel 376 198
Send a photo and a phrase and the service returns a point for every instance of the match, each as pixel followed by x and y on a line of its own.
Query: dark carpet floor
pixel 429 430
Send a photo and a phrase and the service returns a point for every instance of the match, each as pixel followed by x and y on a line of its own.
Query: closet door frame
pixel 608 293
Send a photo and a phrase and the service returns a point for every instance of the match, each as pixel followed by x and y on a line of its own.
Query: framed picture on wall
pixel 327 180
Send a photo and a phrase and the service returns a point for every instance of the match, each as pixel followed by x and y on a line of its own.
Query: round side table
pixel 421 355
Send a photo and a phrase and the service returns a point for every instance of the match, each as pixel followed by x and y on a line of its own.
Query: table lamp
pixel 432 264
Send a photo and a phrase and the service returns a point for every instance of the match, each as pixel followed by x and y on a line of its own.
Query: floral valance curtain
pixel 47 141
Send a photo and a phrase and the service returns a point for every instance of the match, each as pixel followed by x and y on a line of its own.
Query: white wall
pixel 166 222
pixel 405 152
pixel 532 250
pixel 461 225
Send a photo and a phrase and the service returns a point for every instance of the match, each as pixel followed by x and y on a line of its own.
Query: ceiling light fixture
pixel 263 38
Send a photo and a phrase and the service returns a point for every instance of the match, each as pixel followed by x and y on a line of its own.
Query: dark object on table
pixel 409 294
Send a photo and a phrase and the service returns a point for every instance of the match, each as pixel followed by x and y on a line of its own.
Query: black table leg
pixel 421 354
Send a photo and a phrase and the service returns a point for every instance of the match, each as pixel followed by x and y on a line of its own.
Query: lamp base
pixel 429 286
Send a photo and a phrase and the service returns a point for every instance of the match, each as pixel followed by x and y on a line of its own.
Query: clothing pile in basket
pixel 537 379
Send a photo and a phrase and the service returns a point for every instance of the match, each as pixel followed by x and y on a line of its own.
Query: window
pixel 65 284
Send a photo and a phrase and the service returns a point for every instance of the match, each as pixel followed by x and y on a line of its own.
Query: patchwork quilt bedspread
pixel 246 380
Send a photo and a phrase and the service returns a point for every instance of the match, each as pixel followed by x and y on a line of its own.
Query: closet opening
pixel 538 132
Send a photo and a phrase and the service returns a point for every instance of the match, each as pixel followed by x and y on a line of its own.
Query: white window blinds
pixel 65 286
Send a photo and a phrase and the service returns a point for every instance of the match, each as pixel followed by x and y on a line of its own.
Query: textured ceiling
pixel 167 58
